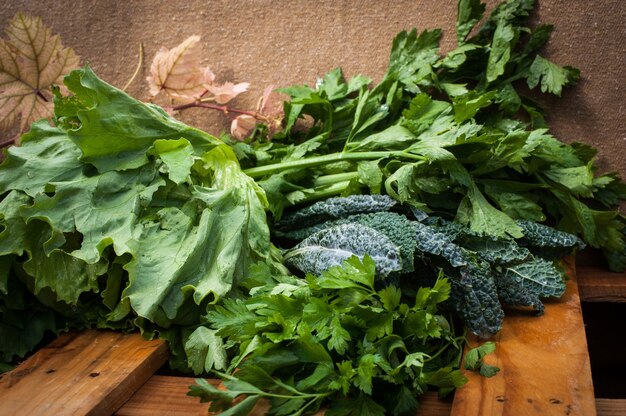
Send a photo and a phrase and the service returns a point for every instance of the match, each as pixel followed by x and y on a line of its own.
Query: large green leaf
pixel 46 155
pixel 103 208
pixel 116 130
pixel 334 245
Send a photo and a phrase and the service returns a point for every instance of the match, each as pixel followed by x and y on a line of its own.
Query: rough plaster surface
pixel 286 42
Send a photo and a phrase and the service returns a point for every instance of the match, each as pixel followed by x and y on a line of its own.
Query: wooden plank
pixel 544 366
pixel 600 285
pixel 611 407
pixel 164 395
pixel 167 395
pixel 81 373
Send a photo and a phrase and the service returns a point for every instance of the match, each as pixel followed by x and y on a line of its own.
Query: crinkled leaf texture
pixel 117 131
pixel 334 208
pixel 123 201
pixel 527 283
pixel 31 61
pixel 332 246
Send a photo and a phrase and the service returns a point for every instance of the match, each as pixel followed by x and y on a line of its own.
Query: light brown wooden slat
pixel 544 366
pixel 166 395
pixel 83 373
pixel 611 407
pixel 600 285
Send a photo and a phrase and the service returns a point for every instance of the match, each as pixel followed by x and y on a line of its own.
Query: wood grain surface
pixel 600 285
pixel 611 407
pixel 544 366
pixel 86 373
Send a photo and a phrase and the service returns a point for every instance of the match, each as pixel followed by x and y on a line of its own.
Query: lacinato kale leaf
pixel 483 270
pixel 335 208
pixel 333 245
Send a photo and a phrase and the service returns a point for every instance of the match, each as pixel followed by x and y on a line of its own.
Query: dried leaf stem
pixel 139 64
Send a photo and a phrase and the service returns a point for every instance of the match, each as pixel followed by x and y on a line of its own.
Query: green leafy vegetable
pixel 121 217
pixel 338 342
pixel 332 246
pixel 153 214
pixel 474 359
pixel 483 270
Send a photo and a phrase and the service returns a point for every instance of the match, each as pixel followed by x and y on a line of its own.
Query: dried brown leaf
pixel 31 61
pixel 178 72
pixel 271 106
pixel 227 91
pixel 242 126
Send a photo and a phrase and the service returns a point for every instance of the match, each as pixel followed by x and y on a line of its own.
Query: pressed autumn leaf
pixel 31 61
pixel 178 72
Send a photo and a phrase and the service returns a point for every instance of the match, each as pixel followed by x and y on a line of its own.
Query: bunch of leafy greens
pixel 414 248
pixel 120 217
pixel 451 135
pixel 332 340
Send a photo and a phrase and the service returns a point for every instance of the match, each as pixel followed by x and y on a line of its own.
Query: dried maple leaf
pixel 31 61
pixel 178 72
pixel 227 91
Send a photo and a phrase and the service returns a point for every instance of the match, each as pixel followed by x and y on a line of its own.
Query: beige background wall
pixel 284 42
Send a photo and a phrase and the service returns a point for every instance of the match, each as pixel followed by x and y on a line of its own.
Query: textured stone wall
pixel 285 42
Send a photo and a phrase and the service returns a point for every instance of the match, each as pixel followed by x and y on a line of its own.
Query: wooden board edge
pixel 89 372
pixel 611 407
pixel 597 284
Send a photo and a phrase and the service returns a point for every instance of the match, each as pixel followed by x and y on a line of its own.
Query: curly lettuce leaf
pixel 122 201
pixel 115 130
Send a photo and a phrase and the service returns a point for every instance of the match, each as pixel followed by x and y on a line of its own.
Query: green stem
pixel 326 192
pixel 310 162
pixel 333 179
pixel 299 395
pixel 441 350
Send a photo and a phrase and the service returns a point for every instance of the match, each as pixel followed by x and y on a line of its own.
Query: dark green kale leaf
pixel 394 226
pixel 525 284
pixel 548 242
pixel 332 246
pixel 475 298
pixel 334 208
